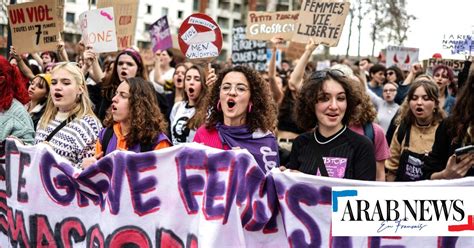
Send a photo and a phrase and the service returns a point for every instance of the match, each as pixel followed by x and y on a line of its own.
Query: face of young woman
pixel 65 90
pixel 165 58
pixel 120 103
pixel 391 76
pixel 331 107
pixel 178 77
pixel 441 78
pixel 193 85
pixel 389 92
pixel 422 106
pixel 37 89
pixel 234 98
pixel 126 67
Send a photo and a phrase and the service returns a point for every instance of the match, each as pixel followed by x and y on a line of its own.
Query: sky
pixel 435 18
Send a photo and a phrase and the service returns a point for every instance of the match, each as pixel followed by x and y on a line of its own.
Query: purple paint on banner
pixel 160 35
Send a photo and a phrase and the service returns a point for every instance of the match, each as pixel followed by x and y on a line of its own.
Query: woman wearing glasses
pixel 419 117
pixel 325 104
pixel 183 118
pixel 242 116
pixel 68 123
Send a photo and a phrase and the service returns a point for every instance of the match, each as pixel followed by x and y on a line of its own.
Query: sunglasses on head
pixel 322 74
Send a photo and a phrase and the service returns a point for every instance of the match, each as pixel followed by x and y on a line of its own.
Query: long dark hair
pixel 462 115
pixel 146 119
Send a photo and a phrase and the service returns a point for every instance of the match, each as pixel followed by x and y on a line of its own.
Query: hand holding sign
pixel 200 38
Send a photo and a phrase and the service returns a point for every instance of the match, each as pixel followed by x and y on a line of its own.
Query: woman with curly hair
pixel 183 118
pixel 14 119
pixel 68 123
pixel 455 132
pixel 134 123
pixel 419 117
pixel 325 106
pixel 242 116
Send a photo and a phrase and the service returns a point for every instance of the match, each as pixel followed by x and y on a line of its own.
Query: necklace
pixel 333 138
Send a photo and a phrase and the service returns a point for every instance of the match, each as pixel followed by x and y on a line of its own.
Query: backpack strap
pixel 106 139
pixel 369 131
pixel 403 133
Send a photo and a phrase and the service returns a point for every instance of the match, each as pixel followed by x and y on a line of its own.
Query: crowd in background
pixel 355 120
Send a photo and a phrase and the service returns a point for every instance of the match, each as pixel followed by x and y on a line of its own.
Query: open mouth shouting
pixel 57 96
pixel 419 111
pixel 231 104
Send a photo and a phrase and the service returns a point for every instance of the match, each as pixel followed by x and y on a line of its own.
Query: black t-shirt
pixel 349 155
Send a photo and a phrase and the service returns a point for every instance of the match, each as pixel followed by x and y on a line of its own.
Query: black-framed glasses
pixel 322 74
pixel 390 73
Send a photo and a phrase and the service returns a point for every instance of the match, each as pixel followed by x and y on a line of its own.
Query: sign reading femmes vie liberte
pixel 266 25
pixel 34 26
pixel 200 38
pixel 321 20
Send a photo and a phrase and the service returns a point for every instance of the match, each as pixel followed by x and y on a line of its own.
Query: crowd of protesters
pixel 355 120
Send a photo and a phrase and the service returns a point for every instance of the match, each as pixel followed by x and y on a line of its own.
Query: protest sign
pixel 456 65
pixel 98 30
pixel 160 35
pixel 251 53
pixel 403 57
pixel 60 14
pixel 125 12
pixel 266 25
pixel 200 38
pixel 321 20
pixel 188 194
pixel 34 26
pixel 459 42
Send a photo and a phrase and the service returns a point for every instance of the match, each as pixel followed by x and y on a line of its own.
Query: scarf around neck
pixel 262 146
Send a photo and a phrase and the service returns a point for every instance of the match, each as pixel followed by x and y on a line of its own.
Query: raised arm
pixel 276 91
pixel 62 52
pixel 296 78
pixel 91 62
pixel 25 70
pixel 157 77
pixel 415 69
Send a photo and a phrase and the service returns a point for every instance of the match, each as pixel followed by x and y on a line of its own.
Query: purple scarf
pixel 263 146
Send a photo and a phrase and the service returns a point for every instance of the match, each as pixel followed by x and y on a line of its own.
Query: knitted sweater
pixel 16 121
pixel 75 141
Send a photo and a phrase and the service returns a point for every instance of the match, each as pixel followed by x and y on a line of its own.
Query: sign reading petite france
pixel 200 38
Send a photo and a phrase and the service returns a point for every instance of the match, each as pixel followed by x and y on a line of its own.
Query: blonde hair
pixel 84 106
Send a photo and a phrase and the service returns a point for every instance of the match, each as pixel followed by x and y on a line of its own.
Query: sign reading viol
pixel 200 38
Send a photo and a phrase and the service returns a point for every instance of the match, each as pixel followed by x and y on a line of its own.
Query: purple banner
pixel 160 35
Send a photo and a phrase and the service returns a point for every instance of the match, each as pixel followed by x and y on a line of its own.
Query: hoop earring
pixel 250 107
pixel 219 106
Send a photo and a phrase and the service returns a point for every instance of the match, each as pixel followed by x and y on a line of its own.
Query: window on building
pixel 164 11
pixel 147 26
pixel 71 1
pixel 68 37
pixel 148 9
pixel 181 1
pixel 180 14
pixel 225 37
pixel 223 22
pixel 93 2
pixel 237 7
pixel 70 17
pixel 196 5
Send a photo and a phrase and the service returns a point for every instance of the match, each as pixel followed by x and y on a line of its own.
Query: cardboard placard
pixel 200 38
pixel 403 57
pixel 455 64
pixel 457 43
pixel 160 35
pixel 34 26
pixel 251 53
pixel 294 50
pixel 98 30
pixel 266 25
pixel 321 20
pixel 125 12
